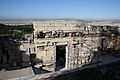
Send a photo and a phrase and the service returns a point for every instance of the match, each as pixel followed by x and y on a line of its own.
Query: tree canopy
pixel 15 29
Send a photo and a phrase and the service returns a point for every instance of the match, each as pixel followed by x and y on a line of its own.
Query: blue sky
pixel 43 9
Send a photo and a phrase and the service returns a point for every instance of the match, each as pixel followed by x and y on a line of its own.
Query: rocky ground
pixel 108 69
pixel 106 72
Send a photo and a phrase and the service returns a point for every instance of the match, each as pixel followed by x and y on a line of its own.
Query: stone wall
pixel 80 49
pixel 84 44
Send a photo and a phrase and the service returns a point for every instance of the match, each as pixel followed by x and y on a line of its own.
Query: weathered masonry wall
pixel 82 42
pixel 56 25
pixel 83 45
pixel 77 53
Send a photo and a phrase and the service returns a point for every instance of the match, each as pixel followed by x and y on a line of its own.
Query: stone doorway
pixel 60 57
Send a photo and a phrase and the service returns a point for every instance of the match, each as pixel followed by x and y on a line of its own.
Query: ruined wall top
pixel 54 25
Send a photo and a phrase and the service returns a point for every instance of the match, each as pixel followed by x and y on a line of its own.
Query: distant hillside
pixel 16 22
pixel 107 22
